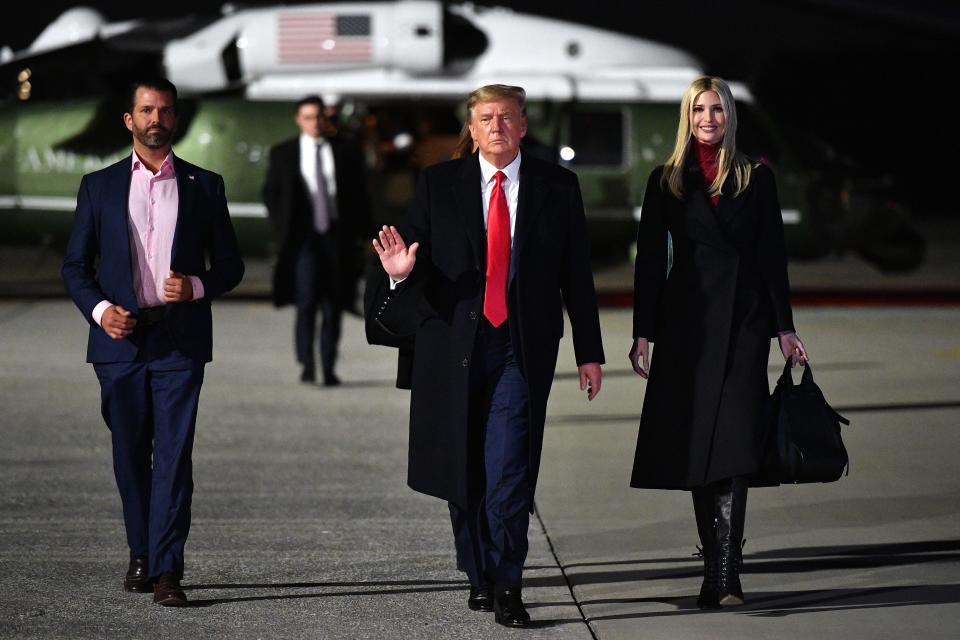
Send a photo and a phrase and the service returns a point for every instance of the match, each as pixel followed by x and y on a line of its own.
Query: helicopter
pixel 395 76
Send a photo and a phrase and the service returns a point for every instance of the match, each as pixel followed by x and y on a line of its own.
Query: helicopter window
pixel 596 139
pixel 231 61
pixel 462 42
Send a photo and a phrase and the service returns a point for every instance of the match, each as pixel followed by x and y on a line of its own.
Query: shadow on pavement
pixel 321 585
pixel 779 604
pixel 425 587
pixel 415 586
pixel 793 560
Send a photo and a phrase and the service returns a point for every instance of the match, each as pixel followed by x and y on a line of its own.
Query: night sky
pixel 861 76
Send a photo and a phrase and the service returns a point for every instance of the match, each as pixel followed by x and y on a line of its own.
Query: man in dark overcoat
pixel 496 244
pixel 316 195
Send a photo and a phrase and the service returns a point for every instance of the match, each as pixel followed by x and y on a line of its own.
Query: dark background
pixel 873 80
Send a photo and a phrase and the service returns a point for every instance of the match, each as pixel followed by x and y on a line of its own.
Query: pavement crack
pixel 563 571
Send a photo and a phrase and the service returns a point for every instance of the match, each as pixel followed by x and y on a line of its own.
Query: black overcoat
pixel 711 319
pixel 550 268
pixel 290 209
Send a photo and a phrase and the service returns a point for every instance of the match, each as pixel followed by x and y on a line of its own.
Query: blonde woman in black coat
pixel 712 313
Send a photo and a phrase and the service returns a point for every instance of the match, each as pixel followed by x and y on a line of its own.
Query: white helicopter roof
pixel 399 49
pixel 404 49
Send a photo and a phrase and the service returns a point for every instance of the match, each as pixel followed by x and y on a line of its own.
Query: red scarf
pixel 708 157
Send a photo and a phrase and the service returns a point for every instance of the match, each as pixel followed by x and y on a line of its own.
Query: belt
pixel 151 315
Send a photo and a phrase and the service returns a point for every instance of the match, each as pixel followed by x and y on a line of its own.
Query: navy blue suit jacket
pixel 99 262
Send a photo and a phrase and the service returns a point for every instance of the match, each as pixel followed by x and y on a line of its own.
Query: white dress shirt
pixel 511 188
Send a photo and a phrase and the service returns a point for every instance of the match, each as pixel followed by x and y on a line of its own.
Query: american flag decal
pixel 306 38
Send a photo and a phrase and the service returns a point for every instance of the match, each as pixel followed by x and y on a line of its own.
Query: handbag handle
pixel 786 378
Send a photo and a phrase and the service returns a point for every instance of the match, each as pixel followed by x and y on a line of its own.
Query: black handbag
pixel 803 437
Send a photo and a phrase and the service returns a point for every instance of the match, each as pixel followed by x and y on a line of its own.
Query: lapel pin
pixel 190 176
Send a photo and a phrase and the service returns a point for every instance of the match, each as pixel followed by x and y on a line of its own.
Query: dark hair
pixel 157 84
pixel 311 99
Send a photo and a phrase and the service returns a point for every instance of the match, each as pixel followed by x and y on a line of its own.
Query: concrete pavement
pixel 874 555
pixel 303 526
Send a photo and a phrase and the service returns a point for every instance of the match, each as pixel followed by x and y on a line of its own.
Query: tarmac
pixel 843 276
pixel 303 526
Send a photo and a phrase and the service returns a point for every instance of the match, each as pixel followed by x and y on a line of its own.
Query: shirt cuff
pixel 197 287
pixel 394 283
pixel 98 310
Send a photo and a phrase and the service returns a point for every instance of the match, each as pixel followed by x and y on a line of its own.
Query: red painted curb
pixel 829 298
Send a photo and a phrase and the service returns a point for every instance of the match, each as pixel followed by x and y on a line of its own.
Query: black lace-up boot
pixel 703 509
pixel 731 508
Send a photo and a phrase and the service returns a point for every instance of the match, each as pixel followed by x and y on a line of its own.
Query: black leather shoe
pixel 137 578
pixel 331 380
pixel 167 591
pixel 508 608
pixel 481 598
pixel 308 375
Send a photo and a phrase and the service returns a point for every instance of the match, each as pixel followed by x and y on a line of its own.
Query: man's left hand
pixel 590 376
pixel 177 288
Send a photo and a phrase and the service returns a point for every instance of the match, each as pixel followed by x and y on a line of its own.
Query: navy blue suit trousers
pixel 491 534
pixel 150 407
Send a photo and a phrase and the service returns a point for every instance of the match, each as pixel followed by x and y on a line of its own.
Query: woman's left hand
pixel 640 357
pixel 793 349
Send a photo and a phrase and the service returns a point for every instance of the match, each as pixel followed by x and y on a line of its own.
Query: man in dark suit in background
pixel 160 229
pixel 316 195
pixel 496 240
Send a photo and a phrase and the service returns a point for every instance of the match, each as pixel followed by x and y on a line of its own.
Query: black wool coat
pixel 291 214
pixel 711 319
pixel 550 269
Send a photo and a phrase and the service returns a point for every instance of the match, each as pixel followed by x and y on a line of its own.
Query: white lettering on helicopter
pixel 45 160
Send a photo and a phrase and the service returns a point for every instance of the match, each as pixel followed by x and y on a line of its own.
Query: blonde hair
pixel 487 93
pixel 730 159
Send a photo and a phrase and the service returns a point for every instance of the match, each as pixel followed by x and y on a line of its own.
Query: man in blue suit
pixel 151 245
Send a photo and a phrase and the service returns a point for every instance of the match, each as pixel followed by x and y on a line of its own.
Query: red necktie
pixel 498 254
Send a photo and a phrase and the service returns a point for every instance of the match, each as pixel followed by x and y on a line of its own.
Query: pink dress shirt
pixel 152 209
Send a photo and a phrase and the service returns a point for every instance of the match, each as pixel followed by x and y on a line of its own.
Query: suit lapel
pixel 729 207
pixel 186 191
pixel 529 201
pixel 115 220
pixel 702 222
pixel 469 196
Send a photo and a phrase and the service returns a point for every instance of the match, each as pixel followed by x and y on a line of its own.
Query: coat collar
pixel 703 223
pixel 529 202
